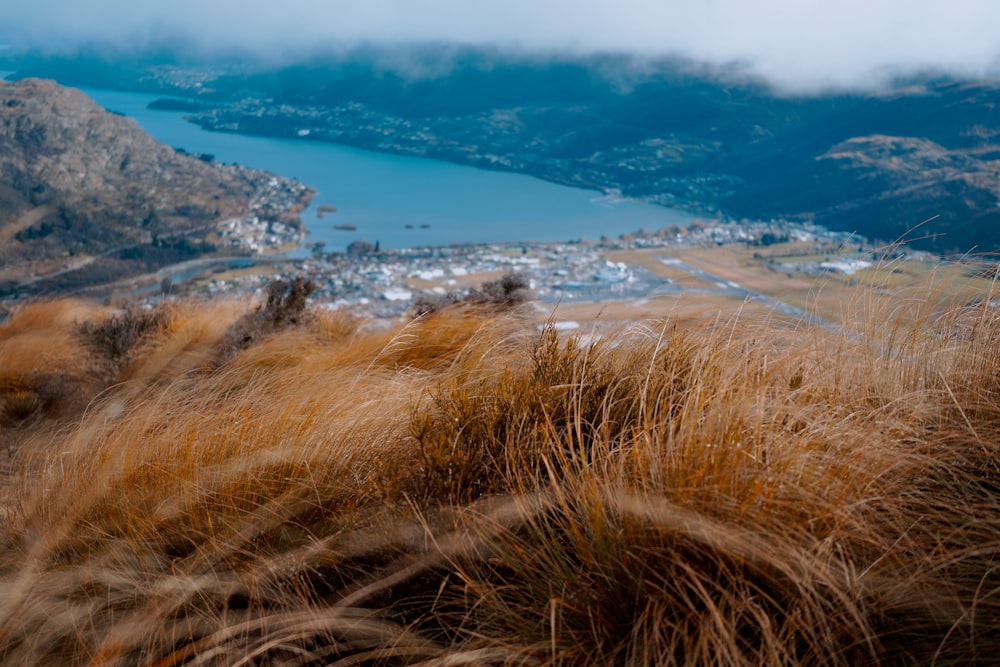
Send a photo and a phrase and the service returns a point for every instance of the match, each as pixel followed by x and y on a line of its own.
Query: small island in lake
pixel 323 209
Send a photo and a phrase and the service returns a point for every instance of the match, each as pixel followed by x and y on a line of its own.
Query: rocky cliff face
pixel 78 182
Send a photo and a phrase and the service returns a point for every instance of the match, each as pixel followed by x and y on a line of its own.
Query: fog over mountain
pixel 802 44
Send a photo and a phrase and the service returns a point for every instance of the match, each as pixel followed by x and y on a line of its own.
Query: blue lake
pixel 381 194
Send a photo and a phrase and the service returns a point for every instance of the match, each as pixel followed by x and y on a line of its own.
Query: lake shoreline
pixel 496 167
pixel 404 201
pixel 690 207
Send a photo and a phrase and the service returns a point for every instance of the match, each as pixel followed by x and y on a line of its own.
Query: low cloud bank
pixel 795 43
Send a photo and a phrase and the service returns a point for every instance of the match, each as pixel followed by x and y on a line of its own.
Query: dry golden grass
pixel 467 490
pixel 42 361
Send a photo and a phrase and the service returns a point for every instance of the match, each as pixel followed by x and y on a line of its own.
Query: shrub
pixel 114 337
pixel 509 291
pixel 425 304
pixel 285 307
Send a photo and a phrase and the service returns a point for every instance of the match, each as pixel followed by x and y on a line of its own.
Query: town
pixel 387 283
pixel 272 222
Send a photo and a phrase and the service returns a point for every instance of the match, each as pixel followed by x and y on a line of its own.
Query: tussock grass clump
pixel 466 489
pixel 45 367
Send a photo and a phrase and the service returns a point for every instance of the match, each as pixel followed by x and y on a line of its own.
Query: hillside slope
pixel 79 183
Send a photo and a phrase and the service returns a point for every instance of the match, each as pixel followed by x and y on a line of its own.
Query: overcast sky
pixel 794 42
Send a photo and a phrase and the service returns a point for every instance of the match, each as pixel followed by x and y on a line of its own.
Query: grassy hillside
pixel 207 485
